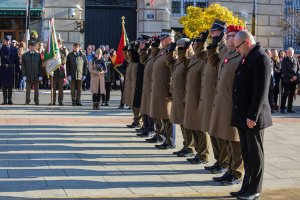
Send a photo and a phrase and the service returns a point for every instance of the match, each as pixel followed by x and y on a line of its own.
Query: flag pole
pixel 27 21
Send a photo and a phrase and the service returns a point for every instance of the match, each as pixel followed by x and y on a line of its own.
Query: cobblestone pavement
pixel 75 152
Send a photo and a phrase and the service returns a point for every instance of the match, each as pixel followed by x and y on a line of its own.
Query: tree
pixel 290 24
pixel 198 19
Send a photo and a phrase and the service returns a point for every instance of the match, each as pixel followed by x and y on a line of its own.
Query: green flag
pixel 52 55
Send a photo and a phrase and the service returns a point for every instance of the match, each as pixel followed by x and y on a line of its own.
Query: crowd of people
pixel 24 69
pixel 220 91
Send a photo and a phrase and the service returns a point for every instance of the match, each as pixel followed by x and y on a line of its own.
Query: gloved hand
pixel 122 79
pixel 69 77
pixel 187 44
pixel 216 40
pixel 40 78
pixel 83 78
pixel 171 47
pixel 203 36
pixel 24 78
pixel 156 42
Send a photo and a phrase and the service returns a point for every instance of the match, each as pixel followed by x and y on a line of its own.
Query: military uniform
pixel 58 77
pixel 192 96
pixel 178 91
pixel 160 103
pixel 8 69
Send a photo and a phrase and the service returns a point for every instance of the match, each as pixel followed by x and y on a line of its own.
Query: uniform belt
pixel 6 65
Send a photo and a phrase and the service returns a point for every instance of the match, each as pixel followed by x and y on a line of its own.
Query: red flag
pixel 123 42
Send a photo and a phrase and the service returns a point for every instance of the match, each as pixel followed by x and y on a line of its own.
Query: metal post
pixel 254 17
pixel 27 21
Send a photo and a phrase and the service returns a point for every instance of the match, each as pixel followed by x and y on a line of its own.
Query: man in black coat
pixel 251 112
pixel 290 78
pixel 8 69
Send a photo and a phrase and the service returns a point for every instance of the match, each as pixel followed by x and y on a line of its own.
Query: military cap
pixel 7 37
pixel 31 43
pixel 234 28
pixel 218 25
pixel 167 33
pixel 143 38
pixel 182 41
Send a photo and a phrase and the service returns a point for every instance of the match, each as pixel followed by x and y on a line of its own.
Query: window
pixel 179 7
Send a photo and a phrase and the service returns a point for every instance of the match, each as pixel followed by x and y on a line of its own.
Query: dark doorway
pixel 103 23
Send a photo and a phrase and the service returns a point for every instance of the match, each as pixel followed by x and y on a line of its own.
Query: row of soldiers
pixel 192 84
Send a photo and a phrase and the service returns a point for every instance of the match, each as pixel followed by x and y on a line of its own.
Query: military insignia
pixel 226 61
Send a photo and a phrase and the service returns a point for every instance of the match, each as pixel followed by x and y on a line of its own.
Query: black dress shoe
pixel 26 104
pixel 133 126
pixel 10 103
pixel 61 104
pixel 144 134
pixel 121 107
pixel 238 193
pixel 4 103
pixel 231 180
pixel 78 104
pixel 73 104
pixel 219 170
pixel 37 103
pixel 184 153
pixel 248 196
pixel 180 151
pixel 51 104
pixel 155 139
pixel 165 146
pixel 190 159
pixel 140 130
pixel 222 178
pixel 291 111
pixel 282 111
pixel 198 161
pixel 212 167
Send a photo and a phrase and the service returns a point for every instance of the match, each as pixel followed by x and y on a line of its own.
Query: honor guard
pixel 9 68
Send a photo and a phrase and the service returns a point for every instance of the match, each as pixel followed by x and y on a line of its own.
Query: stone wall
pixel 152 19
pixel 65 22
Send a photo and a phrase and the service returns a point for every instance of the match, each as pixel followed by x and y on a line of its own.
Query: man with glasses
pixel 251 112
pixel 290 73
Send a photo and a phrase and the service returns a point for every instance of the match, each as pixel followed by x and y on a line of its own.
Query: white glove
pixel 24 78
pixel 69 78
pixel 122 79
pixel 83 78
pixel 40 78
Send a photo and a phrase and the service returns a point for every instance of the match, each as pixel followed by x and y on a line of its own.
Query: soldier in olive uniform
pixel 59 75
pixel 161 103
pixel 76 70
pixel 8 69
pixel 220 126
pixel 32 72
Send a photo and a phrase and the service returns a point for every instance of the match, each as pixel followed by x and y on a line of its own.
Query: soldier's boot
pixel 94 106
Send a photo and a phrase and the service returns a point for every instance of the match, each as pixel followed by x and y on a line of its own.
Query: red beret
pixel 234 28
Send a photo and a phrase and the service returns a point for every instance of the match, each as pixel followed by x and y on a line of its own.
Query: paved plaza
pixel 75 152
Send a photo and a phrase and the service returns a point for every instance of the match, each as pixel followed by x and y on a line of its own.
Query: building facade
pixel 99 21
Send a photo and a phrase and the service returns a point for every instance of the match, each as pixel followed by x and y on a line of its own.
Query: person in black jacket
pixel 290 78
pixel 251 112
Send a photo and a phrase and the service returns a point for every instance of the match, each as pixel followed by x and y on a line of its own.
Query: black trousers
pixel 288 93
pixel 7 94
pixel 106 96
pixel 253 156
